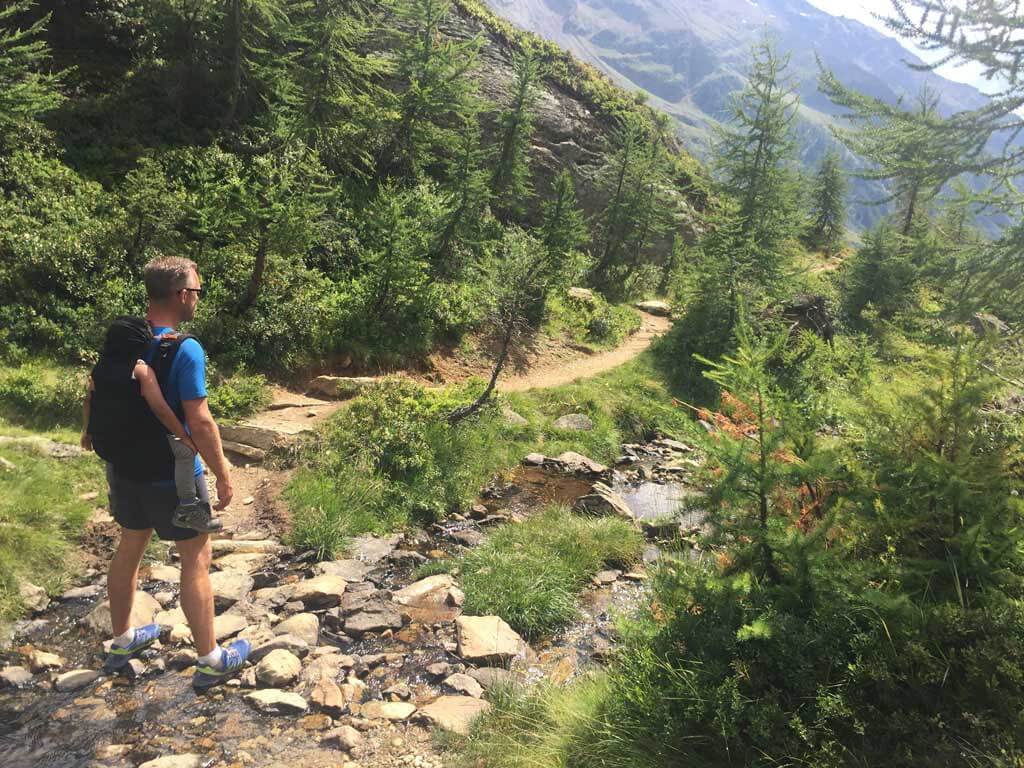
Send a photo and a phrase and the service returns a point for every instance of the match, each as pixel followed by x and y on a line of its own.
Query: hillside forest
pixel 369 187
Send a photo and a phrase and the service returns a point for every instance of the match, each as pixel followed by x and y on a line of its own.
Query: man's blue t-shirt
pixel 187 379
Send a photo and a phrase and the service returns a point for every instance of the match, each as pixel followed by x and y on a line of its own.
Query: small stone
pixel 83 593
pixel 76 679
pixel 467 537
pixel 513 418
pixel 487 639
pixel 290 643
pixel 166 573
pixel 305 626
pixel 228 625
pixel 229 587
pixel 320 592
pixel 135 668
pixel 350 570
pixel 463 683
pixel 248 500
pixel 563 671
pixel 328 696
pixel 493 677
pixel 398 692
pixel 175 761
pixel 535 459
pixel 144 608
pixel 346 737
pixel 635 576
pixel 576 422
pixel 14 677
pixel 376 616
pixel 439 669
pixel 41 661
pixel 271 701
pixel 604 578
pixel 33 597
pixel 318 722
pixel 479 512
pixel 387 710
pixel 278 668
pixel 407 556
pixel 164 598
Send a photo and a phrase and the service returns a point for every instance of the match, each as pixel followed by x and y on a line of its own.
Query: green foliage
pixel 42 396
pixel 591 320
pixel 27 88
pixel 529 574
pixel 510 181
pixel 238 395
pixel 41 516
pixel 828 207
pixel 880 275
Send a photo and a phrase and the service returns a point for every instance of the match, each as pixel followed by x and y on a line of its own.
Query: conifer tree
pixel 828 212
pixel 510 182
pixel 255 66
pixel 438 98
pixel 470 192
pixel 27 89
pixel 756 152
pixel 881 275
pixel 563 230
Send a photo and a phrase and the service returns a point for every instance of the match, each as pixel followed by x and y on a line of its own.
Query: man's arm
pixel 206 436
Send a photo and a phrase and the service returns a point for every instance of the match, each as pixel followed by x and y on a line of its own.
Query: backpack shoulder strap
pixel 167 347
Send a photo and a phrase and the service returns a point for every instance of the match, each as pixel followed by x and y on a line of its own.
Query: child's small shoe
pixel 196 516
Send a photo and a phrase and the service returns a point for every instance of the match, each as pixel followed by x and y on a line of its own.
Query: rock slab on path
pixel 271 701
pixel 75 679
pixel 175 761
pixel 387 710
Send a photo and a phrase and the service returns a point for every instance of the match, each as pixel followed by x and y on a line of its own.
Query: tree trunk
pixel 256 280
pixel 465 411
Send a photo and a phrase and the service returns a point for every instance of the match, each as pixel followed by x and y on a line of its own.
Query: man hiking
pixel 144 499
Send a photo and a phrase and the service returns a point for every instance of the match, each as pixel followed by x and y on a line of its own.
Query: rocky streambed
pixel 355 661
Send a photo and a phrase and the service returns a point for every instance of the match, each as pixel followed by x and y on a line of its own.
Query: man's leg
pixel 122 579
pixel 196 592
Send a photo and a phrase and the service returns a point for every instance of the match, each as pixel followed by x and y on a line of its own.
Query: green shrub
pixel 591 320
pixel 35 394
pixel 530 574
pixel 238 395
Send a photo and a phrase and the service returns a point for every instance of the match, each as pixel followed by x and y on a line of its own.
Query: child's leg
pixel 184 471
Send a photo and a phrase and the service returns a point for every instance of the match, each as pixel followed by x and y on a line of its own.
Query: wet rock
pixel 229 587
pixel 233 546
pixel 376 616
pixel 467 537
pixel 33 597
pixel 659 308
pixel 42 661
pixel 182 659
pixel 14 677
pixel 439 669
pixel 305 626
pixel 171 618
pixel 144 608
pixel 176 761
pixel 83 593
pixel 278 668
pixel 577 463
pixel 604 578
pixel 603 501
pixel 320 592
pixel 492 677
pixel 76 679
pixel 431 590
pixel 166 599
pixel 487 640
pixel 463 683
pixel 406 557
pixel 271 701
pixel 358 596
pixel 350 570
pixel 576 422
pixel 387 710
pixel 373 549
pixel 291 643
pixel 246 562
pixel 398 692
pixel 327 695
pixel 166 573
pixel 353 689
pixel 135 668
pixel 346 737
pixel 454 713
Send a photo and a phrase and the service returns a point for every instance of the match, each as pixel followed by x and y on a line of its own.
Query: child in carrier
pixel 127 421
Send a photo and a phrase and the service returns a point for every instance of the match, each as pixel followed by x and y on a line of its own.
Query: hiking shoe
pixel 197 517
pixel 231 663
pixel 119 657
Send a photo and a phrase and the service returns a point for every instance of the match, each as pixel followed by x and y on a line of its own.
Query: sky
pixel 862 10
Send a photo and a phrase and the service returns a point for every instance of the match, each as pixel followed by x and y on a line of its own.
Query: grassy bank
pixel 391 460
pixel 41 517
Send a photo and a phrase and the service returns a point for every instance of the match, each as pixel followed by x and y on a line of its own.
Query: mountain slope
pixel 691 54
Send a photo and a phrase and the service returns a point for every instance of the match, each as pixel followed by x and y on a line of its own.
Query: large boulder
pixel 144 608
pixel 454 713
pixel 603 501
pixel 487 640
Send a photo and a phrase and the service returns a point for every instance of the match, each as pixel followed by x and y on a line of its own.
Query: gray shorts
pixel 141 506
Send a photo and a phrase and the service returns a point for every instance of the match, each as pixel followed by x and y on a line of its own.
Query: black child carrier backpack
pixel 124 430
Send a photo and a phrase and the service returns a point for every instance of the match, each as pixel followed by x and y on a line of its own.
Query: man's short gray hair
pixel 166 275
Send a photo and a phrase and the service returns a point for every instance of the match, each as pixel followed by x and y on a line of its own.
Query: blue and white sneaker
pixel 231 663
pixel 119 657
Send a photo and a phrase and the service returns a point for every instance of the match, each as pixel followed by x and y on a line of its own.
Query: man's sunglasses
pixel 200 291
